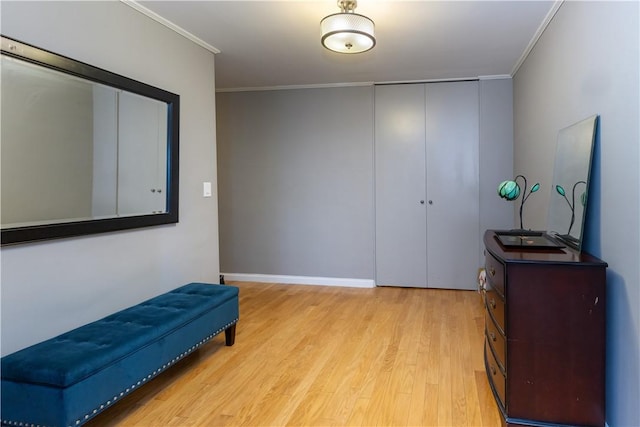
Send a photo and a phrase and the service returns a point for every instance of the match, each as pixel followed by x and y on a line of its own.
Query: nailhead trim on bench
pixel 132 387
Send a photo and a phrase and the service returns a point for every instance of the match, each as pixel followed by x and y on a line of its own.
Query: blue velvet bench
pixel 67 380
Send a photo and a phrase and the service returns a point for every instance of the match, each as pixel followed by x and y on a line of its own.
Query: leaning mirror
pixel 570 185
pixel 83 150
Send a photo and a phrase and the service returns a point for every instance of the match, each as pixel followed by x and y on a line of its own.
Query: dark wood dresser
pixel 544 345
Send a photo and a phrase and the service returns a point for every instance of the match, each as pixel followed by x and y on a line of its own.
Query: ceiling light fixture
pixel 347 32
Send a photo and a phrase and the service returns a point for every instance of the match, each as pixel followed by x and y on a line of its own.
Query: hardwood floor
pixel 329 356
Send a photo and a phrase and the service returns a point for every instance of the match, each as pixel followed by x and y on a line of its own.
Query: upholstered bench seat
pixel 69 379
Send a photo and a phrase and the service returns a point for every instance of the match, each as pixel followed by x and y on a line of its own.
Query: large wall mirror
pixel 83 150
pixel 570 185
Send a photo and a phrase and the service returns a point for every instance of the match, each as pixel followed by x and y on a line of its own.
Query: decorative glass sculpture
pixel 510 190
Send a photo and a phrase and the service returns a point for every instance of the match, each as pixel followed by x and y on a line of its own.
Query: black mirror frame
pixel 37 56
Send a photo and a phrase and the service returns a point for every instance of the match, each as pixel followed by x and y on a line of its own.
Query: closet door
pixel 453 218
pixel 400 208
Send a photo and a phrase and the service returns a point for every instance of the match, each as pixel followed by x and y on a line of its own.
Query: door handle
pixel 430 202
pixel 422 202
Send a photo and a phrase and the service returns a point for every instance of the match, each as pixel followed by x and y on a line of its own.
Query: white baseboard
pixel 300 280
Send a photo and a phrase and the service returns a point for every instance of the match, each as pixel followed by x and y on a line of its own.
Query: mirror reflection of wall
pixel 569 188
pixel 73 149
pixel 46 164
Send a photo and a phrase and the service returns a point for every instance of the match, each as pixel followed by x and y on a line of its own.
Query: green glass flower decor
pixel 572 204
pixel 510 191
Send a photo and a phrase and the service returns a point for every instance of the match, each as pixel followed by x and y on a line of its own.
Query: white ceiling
pixel 277 43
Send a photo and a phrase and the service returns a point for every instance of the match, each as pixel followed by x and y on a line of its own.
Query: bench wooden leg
pixel 230 335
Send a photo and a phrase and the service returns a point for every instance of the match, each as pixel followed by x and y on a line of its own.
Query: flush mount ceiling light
pixel 347 32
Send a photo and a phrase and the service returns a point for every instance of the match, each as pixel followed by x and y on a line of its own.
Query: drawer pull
pixel 492 336
pixel 492 271
pixel 492 303
pixel 493 370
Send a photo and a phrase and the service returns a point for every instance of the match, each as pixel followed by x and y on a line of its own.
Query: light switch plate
pixel 206 189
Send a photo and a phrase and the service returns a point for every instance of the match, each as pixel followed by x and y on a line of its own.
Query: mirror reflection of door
pixel 142 122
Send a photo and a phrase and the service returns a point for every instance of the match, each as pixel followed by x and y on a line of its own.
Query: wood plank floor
pixel 329 356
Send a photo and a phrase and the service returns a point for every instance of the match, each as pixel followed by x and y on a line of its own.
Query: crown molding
pixel 543 26
pixel 495 77
pixel 149 13
pixel 332 85
pixel 401 82
pixel 288 87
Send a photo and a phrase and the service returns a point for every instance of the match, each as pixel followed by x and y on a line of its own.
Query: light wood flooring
pixel 329 356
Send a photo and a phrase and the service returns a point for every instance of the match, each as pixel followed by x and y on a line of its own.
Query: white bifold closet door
pixel 142 134
pixel 427 184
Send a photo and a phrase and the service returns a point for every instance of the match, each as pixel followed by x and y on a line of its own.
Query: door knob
pixel 422 202
pixel 430 202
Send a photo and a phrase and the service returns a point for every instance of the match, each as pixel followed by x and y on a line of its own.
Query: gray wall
pixel 296 178
pixel 496 153
pixel 296 182
pixel 585 63
pixel 51 287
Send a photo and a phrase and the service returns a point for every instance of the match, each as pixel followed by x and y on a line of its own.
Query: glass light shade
pixel 509 190
pixel 347 33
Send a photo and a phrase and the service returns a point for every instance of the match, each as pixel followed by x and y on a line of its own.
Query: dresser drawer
pixel 496 377
pixel 495 273
pixel 496 340
pixel 494 306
